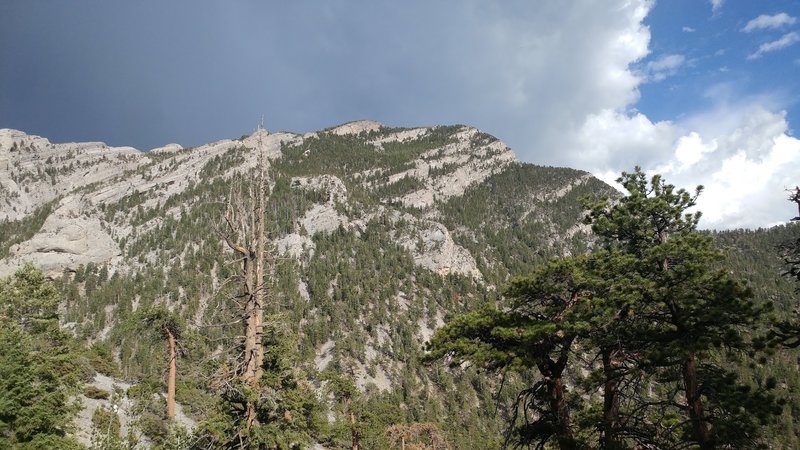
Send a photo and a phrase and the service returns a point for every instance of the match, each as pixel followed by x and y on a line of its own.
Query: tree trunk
pixel 249 372
pixel 260 286
pixel 250 340
pixel 558 403
pixel 700 429
pixel 610 399
pixel 246 222
pixel 353 431
pixel 552 372
pixel 171 377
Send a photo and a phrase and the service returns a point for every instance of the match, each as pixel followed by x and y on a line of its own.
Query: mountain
pixel 379 235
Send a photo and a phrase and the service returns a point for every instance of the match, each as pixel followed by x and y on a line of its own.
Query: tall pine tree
pixel 37 365
pixel 651 315
pixel 689 315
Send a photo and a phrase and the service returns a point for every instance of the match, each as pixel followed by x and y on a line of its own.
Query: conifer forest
pixel 367 288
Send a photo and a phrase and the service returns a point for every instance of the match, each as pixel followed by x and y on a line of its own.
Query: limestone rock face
pixel 434 249
pixel 124 408
pixel 33 171
pixel 448 171
pixel 87 182
pixel 68 238
pixel 330 184
pixel 86 177
pixel 323 219
pixel 296 246
pixel 356 127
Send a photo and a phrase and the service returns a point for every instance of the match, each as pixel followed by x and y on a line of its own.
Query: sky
pixel 702 91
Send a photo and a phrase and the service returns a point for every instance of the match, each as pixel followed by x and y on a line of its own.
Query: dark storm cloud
pixel 149 73
pixel 557 81
pixel 144 74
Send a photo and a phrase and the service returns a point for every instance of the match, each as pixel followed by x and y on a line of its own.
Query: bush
pixel 96 393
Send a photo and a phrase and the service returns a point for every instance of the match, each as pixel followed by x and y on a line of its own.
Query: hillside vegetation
pixel 375 238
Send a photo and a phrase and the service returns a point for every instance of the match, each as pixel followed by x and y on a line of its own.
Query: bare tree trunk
pixel 251 342
pixel 558 403
pixel 245 220
pixel 610 399
pixel 260 292
pixel 171 377
pixel 700 428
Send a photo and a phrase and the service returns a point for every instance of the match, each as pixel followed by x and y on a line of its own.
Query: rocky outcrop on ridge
pixel 90 181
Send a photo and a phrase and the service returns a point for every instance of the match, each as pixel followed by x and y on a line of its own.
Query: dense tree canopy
pixel 37 368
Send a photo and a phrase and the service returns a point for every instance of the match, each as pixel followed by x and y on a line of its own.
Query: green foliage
pixel 653 304
pixel 28 300
pixel 157 320
pixel 529 333
pixel 37 371
pixel 289 413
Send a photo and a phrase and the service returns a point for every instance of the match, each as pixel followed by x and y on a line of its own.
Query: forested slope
pixel 377 236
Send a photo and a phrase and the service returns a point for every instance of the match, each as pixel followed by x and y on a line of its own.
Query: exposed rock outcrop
pixel 118 403
pixel 433 247
pixel 357 127
pixel 68 238
pixel 91 178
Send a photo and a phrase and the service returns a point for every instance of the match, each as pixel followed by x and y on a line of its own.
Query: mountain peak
pixel 357 127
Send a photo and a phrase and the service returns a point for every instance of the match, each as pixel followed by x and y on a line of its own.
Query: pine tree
pixel 344 389
pixel 166 325
pixel 530 333
pixel 652 308
pixel 690 312
pixel 37 367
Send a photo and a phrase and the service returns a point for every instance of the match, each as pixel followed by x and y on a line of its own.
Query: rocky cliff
pixel 81 179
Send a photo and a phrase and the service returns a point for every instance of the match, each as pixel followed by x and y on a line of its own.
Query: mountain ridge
pixel 37 172
pixel 380 235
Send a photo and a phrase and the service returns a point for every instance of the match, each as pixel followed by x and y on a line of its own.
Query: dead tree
pixel 794 197
pixel 245 235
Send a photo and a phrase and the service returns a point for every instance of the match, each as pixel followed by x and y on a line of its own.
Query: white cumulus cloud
pixel 745 182
pixel 767 47
pixel 664 66
pixel 612 141
pixel 690 149
pixel 765 22
pixel 553 68
pixel 744 164
pixel 716 5
pixel 575 92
